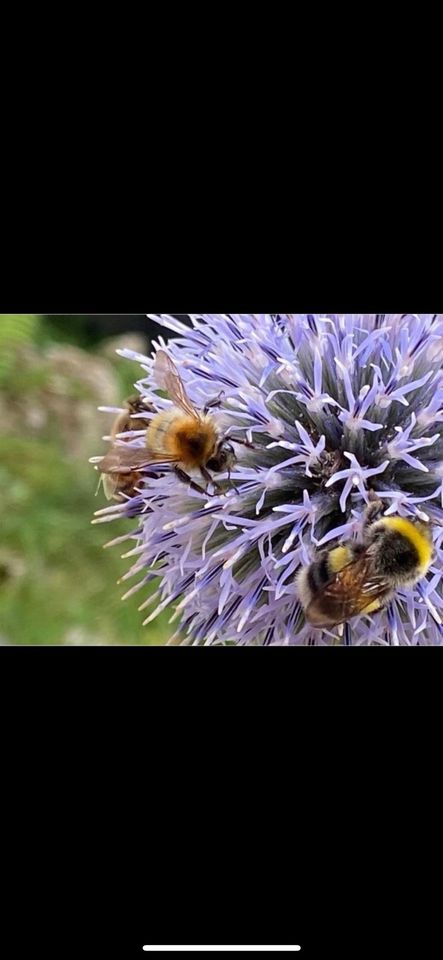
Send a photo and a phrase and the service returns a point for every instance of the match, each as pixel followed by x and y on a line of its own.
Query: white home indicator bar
pixel 221 949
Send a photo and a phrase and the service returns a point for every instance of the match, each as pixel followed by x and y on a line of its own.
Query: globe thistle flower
pixel 335 406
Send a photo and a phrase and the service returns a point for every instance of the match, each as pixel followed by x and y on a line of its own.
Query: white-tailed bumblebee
pixel 360 578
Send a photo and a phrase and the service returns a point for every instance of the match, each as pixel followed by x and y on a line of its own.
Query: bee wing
pixel 347 594
pixel 168 378
pixel 124 459
pixel 116 486
pixel 110 484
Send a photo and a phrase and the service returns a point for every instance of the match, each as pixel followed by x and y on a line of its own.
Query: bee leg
pixel 373 512
pixel 215 402
pixel 189 481
pixel 207 476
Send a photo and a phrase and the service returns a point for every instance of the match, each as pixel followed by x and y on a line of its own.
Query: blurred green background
pixel 57 584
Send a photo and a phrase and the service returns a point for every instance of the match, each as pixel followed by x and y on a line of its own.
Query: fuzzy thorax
pixel 417 538
pixel 188 440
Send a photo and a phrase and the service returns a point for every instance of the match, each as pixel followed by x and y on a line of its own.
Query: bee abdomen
pixel 318 574
pixel 313 579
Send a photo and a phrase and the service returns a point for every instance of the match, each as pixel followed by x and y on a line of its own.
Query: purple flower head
pixel 334 406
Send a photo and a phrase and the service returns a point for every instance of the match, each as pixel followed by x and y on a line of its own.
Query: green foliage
pixel 66 588
pixel 16 329
pixel 76 330
pixel 57 584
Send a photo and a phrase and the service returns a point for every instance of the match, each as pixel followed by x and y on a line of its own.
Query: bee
pixel 182 436
pixel 119 486
pixel 354 579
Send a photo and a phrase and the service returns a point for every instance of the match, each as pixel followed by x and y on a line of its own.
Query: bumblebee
pixel 182 436
pixel 354 578
pixel 120 486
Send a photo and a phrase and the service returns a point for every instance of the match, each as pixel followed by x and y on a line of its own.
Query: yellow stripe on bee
pixel 422 544
pixel 375 605
pixel 338 558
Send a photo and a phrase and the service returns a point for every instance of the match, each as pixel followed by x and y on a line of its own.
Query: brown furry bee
pixel 118 486
pixel 182 436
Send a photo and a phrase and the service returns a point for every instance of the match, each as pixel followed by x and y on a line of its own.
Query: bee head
pixel 224 457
